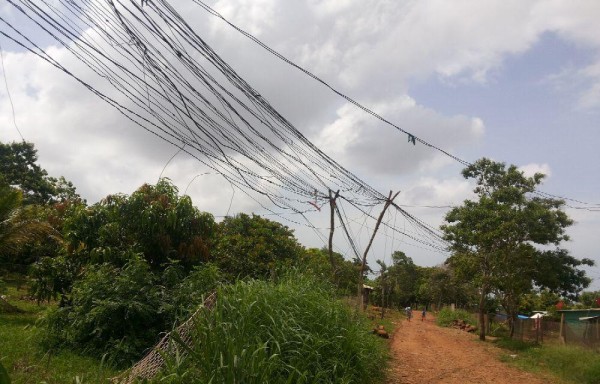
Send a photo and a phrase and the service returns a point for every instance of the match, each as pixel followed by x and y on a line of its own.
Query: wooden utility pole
pixel 388 202
pixel 382 293
pixel 331 227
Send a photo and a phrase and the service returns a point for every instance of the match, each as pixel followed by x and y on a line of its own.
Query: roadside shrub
pixel 185 296
pixel 290 332
pixel 120 312
pixel 52 277
pixel 113 311
pixel 446 317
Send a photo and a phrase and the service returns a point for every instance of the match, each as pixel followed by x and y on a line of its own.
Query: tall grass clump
pixel 569 363
pixel 293 331
pixel 447 316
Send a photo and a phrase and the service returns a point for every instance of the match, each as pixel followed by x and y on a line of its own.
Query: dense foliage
pixel 120 312
pixel 32 205
pixel 19 168
pixel 252 246
pixel 316 262
pixel 19 226
pixel 293 331
pixel 590 299
pixel 153 221
pixel 403 283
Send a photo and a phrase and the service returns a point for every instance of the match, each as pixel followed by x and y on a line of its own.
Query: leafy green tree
pixel 153 221
pixel 382 288
pixel 316 262
pixel 40 200
pixel 53 277
pixel 538 300
pixel 590 299
pixel 403 277
pixel 494 238
pixel 439 285
pixel 252 246
pixel 19 225
pixel 64 191
pixel 167 230
pixel 18 167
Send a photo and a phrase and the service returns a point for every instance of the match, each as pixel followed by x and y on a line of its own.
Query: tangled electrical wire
pixel 145 60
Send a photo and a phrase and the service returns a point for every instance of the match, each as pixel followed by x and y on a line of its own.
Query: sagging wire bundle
pixel 147 62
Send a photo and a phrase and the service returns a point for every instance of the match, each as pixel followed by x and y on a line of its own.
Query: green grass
pixel 446 316
pixel 290 332
pixel 390 320
pixel 26 362
pixel 568 364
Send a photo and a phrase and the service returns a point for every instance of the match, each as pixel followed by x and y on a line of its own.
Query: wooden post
pixel 388 202
pixel 382 294
pixel 331 225
pixel 561 333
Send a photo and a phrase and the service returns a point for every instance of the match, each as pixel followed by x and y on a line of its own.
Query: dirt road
pixel 425 353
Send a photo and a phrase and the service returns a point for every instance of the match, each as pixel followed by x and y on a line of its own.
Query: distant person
pixel 423 314
pixel 408 313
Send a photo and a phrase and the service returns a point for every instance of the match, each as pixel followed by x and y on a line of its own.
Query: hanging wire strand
pixel 12 105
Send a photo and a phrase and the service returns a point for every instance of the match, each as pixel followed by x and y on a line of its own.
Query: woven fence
pixel 170 345
pixel 538 330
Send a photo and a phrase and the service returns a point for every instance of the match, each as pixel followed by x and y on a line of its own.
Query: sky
pixel 516 81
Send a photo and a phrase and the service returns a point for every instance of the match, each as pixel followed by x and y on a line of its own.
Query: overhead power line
pixel 151 66
pixel 12 105
pixel 411 136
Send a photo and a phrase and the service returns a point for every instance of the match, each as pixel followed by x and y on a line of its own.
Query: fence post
pixel 562 332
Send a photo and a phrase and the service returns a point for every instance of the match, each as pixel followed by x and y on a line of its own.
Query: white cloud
pixel 531 169
pixel 590 98
pixel 429 191
pixel 359 141
pixel 372 50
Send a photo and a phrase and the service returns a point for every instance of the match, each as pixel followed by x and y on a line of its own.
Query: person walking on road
pixel 423 314
pixel 408 313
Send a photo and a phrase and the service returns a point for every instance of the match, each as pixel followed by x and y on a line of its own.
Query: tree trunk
pixel 481 314
pixel 511 324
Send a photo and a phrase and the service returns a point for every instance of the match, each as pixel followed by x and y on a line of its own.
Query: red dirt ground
pixel 425 353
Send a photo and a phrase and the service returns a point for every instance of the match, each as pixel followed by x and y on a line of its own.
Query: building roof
pixel 580 310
